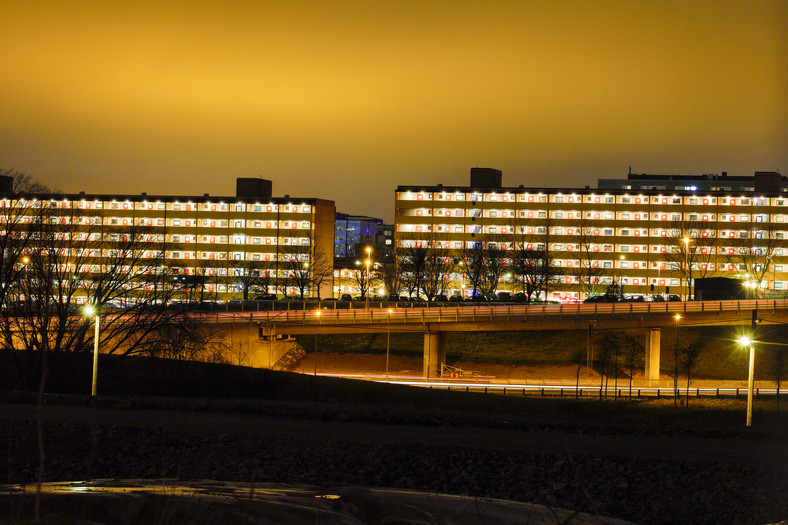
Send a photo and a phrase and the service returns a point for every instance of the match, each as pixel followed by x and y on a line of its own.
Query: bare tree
pixel 607 358
pixel 691 248
pixel 321 266
pixel 190 339
pixel 253 276
pixel 678 352
pixel 495 267
pixel 73 258
pixel 754 250
pixel 24 183
pixel 777 367
pixel 589 265
pixel 297 270
pixel 530 258
pixel 391 275
pixel 472 265
pixel 633 352
pixel 691 353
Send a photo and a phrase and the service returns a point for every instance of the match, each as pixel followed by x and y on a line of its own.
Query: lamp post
pixel 676 362
pixel 747 342
pixel 317 326
pixel 686 267
pixel 92 311
pixel 388 339
pixel 305 278
pixel 621 275
pixel 366 292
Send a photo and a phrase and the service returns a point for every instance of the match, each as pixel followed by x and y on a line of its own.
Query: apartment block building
pixel 648 241
pixel 206 241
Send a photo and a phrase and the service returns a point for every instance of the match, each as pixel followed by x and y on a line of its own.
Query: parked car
pixel 633 299
pixel 520 297
pixel 672 297
pixel 266 297
pixel 504 297
pixel 657 298
pixel 393 297
pixel 606 298
pixel 456 298
pixel 481 298
pixel 345 297
pixel 440 298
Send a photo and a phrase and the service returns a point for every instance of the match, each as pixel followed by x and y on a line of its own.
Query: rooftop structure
pixel 761 181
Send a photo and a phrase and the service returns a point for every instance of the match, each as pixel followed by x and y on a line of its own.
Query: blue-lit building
pixel 353 230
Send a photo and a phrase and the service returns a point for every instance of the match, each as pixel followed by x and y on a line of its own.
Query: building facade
pixel 647 241
pixel 214 248
pixel 354 230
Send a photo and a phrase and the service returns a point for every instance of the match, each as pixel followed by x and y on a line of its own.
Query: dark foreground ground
pixel 642 463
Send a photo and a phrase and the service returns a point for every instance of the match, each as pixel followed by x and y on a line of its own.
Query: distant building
pixel 648 233
pixel 384 241
pixel 207 244
pixel 352 231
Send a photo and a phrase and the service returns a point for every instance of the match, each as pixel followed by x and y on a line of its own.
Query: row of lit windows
pixel 148 221
pixel 595 215
pixel 163 206
pixel 592 232
pixel 622 248
pixel 560 230
pixel 593 199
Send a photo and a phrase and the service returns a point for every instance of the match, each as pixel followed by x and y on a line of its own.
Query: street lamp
pixel 92 311
pixel 687 271
pixel 388 339
pixel 366 292
pixel 25 260
pixel 676 362
pixel 317 326
pixel 747 342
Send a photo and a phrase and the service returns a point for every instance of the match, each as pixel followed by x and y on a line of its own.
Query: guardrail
pixel 494 312
pixel 586 391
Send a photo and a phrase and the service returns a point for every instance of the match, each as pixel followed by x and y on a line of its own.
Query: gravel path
pixel 642 478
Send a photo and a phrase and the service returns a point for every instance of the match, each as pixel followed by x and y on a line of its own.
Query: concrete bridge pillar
pixel 652 354
pixel 434 353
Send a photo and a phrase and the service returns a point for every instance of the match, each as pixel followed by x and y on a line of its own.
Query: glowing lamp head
pixel 317 313
pixel 745 341
pixel 90 311
pixel 677 317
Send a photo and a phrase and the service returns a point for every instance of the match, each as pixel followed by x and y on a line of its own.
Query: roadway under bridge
pixel 435 323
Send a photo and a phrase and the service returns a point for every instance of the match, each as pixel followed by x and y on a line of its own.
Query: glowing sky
pixel 347 100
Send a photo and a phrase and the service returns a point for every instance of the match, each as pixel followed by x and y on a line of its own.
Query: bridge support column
pixel 652 354
pixel 434 353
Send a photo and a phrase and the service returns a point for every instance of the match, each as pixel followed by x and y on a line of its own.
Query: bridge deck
pixel 512 317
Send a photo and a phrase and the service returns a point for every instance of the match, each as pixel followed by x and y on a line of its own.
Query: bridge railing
pixel 495 312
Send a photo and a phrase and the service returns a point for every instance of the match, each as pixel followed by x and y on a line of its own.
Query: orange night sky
pixel 346 100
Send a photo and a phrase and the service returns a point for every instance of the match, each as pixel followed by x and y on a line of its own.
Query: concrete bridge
pixel 435 323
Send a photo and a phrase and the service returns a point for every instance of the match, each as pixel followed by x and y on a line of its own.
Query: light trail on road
pixel 498 386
